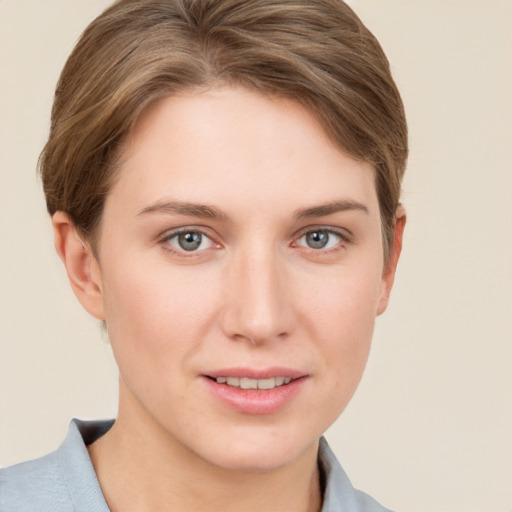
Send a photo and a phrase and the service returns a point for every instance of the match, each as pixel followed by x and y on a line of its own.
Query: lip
pixel 252 373
pixel 251 401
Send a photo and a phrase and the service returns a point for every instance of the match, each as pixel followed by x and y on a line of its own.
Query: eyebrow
pixel 202 211
pixel 330 208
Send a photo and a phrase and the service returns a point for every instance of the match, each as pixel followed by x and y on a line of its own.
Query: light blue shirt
pixel 65 481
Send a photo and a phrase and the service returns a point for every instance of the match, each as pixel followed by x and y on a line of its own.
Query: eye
pixel 320 239
pixel 189 241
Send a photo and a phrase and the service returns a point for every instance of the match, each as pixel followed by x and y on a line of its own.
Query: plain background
pixel 430 428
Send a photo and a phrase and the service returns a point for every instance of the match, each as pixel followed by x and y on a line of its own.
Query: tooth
pixel 233 381
pixel 246 383
pixel 267 383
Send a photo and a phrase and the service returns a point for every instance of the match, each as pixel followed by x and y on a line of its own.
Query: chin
pixel 260 452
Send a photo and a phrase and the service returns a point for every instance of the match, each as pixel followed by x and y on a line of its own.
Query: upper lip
pixel 253 373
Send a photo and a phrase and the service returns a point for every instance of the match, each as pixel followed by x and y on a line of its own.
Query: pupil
pixel 189 241
pixel 317 239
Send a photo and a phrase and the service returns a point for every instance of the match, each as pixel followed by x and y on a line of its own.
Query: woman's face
pixel 239 248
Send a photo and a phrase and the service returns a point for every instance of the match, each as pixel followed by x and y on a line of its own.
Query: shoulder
pixel 339 494
pixel 34 485
pixel 61 481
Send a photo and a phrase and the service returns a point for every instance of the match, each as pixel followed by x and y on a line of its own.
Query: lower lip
pixel 254 401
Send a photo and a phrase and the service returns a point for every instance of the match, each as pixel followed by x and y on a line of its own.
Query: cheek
pixel 155 309
pixel 346 299
pixel 341 317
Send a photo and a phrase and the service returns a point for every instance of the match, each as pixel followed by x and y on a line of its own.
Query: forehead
pixel 234 146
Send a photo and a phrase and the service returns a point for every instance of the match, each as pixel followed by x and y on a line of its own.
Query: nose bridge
pixel 257 307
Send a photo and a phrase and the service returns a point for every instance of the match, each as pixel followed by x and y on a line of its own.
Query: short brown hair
pixel 317 52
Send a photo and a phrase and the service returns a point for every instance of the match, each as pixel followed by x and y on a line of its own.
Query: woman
pixel 223 179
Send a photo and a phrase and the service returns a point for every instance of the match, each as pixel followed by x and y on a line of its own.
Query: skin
pixel 254 295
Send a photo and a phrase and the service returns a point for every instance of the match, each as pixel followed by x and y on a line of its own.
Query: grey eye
pixel 319 239
pixel 190 241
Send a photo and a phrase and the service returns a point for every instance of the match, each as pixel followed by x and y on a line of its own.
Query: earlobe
pixel 81 265
pixel 388 275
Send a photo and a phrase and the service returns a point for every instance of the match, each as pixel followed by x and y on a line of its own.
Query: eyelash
pixel 167 238
pixel 344 238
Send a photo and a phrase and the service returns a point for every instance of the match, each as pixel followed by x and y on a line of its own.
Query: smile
pixel 247 383
pixel 256 390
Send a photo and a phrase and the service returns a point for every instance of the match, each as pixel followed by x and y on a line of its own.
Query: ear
pixel 388 274
pixel 81 264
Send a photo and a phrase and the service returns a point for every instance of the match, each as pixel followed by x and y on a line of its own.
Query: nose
pixel 257 306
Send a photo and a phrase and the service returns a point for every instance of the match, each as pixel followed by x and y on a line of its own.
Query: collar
pixel 339 494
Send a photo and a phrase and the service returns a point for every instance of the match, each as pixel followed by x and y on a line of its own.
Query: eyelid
pixel 169 234
pixel 345 234
pixel 345 239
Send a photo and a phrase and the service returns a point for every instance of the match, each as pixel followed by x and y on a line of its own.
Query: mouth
pixel 249 383
pixel 256 391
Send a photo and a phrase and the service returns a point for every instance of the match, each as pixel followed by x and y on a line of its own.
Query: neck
pixel 140 467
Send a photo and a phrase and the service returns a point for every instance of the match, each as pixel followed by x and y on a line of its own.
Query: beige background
pixel 430 428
